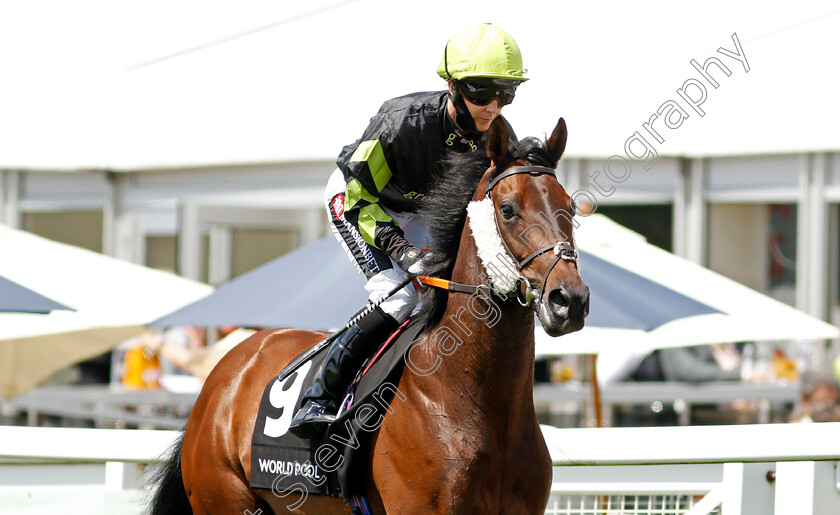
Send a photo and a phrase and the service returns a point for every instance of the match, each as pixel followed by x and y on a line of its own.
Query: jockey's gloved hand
pixel 414 260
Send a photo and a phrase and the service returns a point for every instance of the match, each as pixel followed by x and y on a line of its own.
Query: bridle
pixel 563 250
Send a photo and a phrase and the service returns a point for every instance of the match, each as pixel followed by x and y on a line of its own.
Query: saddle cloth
pixel 283 463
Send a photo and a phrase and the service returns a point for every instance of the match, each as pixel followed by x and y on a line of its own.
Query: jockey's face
pixel 483 116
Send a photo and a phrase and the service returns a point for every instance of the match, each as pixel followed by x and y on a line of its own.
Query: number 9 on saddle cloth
pixel 273 441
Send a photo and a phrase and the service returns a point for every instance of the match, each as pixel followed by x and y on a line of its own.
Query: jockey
pixel 372 196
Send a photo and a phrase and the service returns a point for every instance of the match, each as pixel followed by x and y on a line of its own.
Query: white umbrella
pixel 745 314
pixel 113 300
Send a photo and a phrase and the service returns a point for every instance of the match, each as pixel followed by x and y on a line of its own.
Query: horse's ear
pixel 557 141
pixel 497 141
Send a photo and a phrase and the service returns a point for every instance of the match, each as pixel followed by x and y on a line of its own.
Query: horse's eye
pixel 507 211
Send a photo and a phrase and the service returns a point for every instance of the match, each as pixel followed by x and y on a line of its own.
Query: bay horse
pixel 465 437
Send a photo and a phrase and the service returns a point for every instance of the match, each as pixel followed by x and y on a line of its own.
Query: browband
pixel 533 170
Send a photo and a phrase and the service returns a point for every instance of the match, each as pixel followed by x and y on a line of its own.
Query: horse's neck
pixel 495 360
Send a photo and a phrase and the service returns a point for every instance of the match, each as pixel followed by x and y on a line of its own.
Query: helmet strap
pixel 463 118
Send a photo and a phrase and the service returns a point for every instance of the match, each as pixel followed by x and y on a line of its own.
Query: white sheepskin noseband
pixel 500 267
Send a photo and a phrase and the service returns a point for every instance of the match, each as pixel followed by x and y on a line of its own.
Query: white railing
pixel 734 470
pixel 76 471
pixel 780 469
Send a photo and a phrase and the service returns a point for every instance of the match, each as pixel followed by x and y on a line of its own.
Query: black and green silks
pixel 394 161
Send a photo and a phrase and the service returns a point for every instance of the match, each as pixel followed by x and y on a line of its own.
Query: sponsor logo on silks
pixel 372 265
pixel 450 140
pixel 338 205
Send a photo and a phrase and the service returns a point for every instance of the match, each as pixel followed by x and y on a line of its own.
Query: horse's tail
pixel 168 494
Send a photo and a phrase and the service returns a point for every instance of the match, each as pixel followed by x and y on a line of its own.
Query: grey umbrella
pixel 15 298
pixel 621 299
pixel 316 287
pixel 313 287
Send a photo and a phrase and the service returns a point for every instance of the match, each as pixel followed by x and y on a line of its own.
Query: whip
pixel 315 349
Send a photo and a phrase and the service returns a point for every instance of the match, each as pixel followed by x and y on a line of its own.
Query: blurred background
pixel 160 159
pixel 196 137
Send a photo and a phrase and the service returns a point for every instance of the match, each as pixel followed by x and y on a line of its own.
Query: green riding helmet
pixel 482 51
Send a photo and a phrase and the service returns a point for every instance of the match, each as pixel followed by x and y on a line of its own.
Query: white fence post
pixel 121 476
pixel 746 490
pixel 807 488
pixel 795 487
pixel 732 500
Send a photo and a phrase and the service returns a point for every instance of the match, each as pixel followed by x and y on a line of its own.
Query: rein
pixel 563 250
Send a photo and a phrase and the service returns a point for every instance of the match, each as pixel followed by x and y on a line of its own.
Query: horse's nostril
pixel 586 303
pixel 558 299
pixel 571 304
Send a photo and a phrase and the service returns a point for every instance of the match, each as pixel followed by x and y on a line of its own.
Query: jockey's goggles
pixel 482 94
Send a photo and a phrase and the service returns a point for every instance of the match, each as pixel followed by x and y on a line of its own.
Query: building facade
pixel 767 221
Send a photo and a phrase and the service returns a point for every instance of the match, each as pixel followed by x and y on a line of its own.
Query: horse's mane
pixel 444 210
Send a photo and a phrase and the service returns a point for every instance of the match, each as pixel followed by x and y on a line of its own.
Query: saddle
pixel 283 463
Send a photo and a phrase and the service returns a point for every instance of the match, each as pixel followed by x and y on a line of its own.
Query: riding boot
pixel 343 359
